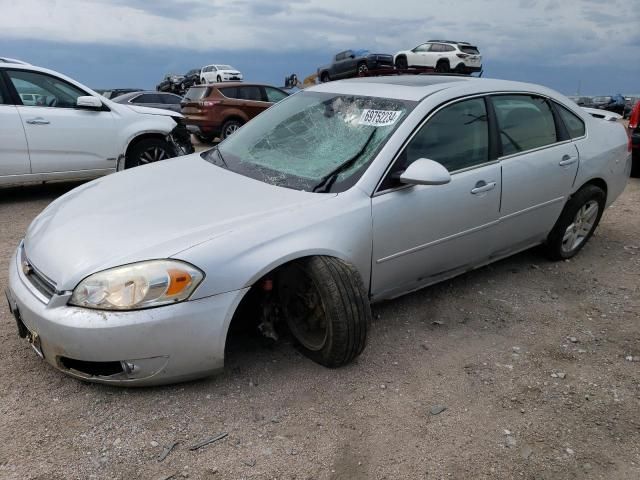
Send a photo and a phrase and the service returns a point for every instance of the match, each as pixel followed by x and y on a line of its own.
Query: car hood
pixel 155 211
pixel 153 111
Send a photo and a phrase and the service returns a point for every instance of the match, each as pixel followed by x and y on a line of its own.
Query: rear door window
pixel 250 93
pixel 170 99
pixel 147 98
pixel 229 92
pixel 575 126
pixel 525 122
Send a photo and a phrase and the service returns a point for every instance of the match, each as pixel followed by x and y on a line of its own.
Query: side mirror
pixel 425 172
pixel 88 102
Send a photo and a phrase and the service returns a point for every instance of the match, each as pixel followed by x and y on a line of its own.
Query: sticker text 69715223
pixel 379 118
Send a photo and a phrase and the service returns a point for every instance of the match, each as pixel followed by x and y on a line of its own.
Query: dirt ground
pixel 537 364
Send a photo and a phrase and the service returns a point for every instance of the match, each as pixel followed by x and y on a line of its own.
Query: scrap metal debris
pixel 208 441
pixel 167 450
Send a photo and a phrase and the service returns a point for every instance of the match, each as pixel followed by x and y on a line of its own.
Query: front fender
pixel 339 227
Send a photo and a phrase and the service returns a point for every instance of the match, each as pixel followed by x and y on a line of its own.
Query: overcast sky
pixel 565 44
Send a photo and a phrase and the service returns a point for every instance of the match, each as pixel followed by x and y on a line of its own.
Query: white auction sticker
pixel 379 118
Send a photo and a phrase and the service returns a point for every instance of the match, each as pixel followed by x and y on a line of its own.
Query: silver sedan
pixel 341 195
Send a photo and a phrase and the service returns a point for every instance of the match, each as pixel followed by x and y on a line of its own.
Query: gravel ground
pixel 536 363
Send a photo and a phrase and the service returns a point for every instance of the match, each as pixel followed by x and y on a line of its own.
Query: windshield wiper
pixel 328 180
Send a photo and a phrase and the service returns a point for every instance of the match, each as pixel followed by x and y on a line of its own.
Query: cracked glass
pixel 312 141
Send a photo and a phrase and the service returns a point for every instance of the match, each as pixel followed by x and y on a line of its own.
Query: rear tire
pixel 576 224
pixel 401 63
pixel 363 69
pixel 461 69
pixel 635 165
pixel 149 150
pixel 327 309
pixel 442 66
pixel 206 139
pixel 229 128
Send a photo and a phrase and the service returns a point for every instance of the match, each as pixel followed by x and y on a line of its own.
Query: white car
pixel 54 128
pixel 219 73
pixel 12 60
pixel 442 55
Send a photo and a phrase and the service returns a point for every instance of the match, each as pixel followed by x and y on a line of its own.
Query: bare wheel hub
pixel 304 311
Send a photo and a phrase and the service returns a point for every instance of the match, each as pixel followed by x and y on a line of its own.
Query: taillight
pixel 462 55
pixel 635 117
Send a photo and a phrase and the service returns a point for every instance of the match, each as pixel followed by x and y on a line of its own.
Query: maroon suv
pixel 218 110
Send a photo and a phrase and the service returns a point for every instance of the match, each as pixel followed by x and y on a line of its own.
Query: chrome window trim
pixel 533 150
pixel 378 192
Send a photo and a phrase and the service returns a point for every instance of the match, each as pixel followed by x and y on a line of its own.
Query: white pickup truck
pixel 54 128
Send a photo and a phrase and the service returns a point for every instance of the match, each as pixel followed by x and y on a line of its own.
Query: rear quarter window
pixel 575 126
pixel 197 93
pixel 469 50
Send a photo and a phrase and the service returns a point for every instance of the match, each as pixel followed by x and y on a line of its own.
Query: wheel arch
pixel 235 115
pixel 254 287
pixel 596 181
pixel 144 136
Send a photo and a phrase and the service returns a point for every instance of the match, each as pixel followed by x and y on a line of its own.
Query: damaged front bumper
pixel 180 138
pixel 131 348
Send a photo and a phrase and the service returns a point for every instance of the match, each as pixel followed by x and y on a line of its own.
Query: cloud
pixel 526 31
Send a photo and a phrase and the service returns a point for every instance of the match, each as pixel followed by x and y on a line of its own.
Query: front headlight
pixel 138 285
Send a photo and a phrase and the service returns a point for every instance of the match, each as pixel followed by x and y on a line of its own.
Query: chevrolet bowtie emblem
pixel 27 269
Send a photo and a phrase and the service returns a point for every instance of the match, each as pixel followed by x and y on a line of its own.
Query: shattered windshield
pixel 312 141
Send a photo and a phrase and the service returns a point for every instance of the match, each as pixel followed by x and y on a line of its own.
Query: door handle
pixel 38 121
pixel 567 160
pixel 482 187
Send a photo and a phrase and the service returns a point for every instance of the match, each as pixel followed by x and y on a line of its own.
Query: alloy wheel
pixel 582 224
pixel 153 154
pixel 231 129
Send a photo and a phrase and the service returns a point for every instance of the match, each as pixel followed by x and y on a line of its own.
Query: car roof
pixel 12 61
pixel 417 87
pixel 453 42
pixel 127 96
pixel 234 84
